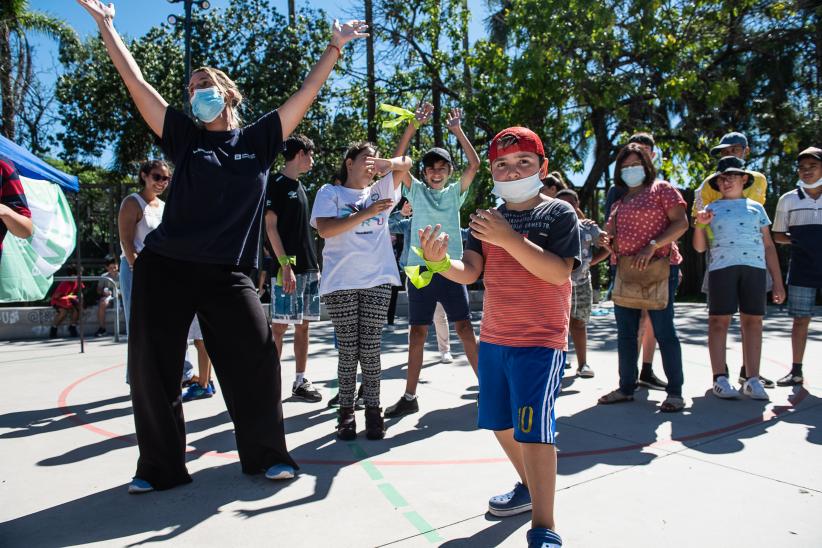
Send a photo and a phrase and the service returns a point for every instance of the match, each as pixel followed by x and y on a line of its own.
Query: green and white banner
pixel 28 266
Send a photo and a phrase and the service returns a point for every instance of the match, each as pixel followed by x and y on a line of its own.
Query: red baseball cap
pixel 522 139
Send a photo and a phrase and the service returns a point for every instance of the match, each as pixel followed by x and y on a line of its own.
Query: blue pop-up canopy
pixel 30 166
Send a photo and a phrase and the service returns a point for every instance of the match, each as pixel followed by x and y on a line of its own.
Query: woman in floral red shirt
pixel 645 224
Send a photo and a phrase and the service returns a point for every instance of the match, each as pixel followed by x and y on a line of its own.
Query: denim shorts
pixel 301 305
pixel 422 302
pixel 801 301
pixel 518 387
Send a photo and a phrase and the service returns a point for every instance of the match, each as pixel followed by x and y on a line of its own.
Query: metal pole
pixel 78 265
pixel 187 77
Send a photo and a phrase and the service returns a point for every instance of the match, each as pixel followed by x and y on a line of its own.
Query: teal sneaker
pixel 280 472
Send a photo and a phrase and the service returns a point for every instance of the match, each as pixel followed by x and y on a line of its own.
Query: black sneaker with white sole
pixel 791 379
pixel 650 380
pixel 767 383
pixel 359 404
pixel 403 407
pixel 306 391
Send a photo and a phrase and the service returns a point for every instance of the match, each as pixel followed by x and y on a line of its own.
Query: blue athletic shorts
pixel 422 302
pixel 518 388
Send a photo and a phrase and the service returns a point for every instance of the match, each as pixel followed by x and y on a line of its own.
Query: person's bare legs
pixel 717 340
pixel 579 334
pixel 442 329
pixel 59 317
pixel 465 331
pixel 799 338
pixel 751 343
pixel 203 363
pixel 513 451
pixel 101 313
pixel 416 346
pixel 648 338
pixel 300 346
pixel 278 330
pixel 540 461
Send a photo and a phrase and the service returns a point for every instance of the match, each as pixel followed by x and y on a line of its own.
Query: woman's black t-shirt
pixel 215 200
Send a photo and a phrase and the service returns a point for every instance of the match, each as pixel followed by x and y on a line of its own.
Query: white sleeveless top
pixel 152 217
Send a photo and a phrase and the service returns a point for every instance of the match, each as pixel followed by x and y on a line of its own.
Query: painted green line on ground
pixel 371 470
pixel 358 451
pixel 392 495
pixel 430 534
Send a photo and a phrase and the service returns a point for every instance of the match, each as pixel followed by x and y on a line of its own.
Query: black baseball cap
pixel 436 154
pixel 729 140
pixel 730 164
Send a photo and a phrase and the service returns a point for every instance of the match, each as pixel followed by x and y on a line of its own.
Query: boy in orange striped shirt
pixel 526 249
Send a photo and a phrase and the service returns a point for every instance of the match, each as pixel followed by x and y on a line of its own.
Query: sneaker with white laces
pixel 753 389
pixel 516 501
pixel 723 389
pixel 791 379
pixel 446 357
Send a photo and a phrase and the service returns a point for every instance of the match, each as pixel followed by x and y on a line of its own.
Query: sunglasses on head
pixel 157 178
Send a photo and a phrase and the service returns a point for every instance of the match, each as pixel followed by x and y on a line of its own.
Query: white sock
pixel 298 378
pixel 410 397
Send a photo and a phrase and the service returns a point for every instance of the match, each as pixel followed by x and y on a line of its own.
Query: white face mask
pixel 817 184
pixel 633 176
pixel 518 191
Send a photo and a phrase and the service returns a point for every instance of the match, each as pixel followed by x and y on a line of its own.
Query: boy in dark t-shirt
pixel 526 250
pixel 295 296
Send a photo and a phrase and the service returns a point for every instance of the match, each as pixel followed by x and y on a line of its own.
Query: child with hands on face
pixel 526 250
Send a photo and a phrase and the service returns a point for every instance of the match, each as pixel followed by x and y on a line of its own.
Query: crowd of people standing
pixel 533 252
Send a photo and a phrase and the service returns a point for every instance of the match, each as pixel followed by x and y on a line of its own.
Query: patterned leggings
pixel 358 316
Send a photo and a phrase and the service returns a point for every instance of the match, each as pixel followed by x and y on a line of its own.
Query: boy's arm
pixel 490 226
pixel 434 246
pixel 466 271
pixel 781 238
pixel 772 262
pixel 602 254
pixel 455 127
pixel 422 115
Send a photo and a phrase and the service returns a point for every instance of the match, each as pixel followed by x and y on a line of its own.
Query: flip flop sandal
pixel 672 404
pixel 614 397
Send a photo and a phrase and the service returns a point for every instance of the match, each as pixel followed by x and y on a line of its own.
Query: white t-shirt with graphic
pixel 362 257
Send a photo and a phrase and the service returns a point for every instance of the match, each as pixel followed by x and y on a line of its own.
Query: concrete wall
pixel 34 322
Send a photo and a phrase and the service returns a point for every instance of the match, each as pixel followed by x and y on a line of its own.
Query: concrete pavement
pixel 738 473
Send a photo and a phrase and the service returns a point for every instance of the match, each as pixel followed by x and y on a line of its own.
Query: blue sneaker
pixel 197 392
pixel 138 486
pixel 280 472
pixel 511 503
pixel 541 537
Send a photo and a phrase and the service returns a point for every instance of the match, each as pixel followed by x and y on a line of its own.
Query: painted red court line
pixel 131 440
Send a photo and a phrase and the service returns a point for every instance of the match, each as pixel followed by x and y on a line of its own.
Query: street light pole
pixel 188 5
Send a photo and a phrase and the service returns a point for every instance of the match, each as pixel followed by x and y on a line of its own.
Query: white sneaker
pixel 753 389
pixel 724 390
pixel 446 357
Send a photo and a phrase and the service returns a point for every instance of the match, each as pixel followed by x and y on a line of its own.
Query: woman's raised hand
pixel 98 10
pixel 342 34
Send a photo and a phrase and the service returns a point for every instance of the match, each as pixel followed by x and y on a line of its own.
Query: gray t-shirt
pixel 588 236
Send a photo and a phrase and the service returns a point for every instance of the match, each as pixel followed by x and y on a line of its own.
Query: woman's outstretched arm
pixel 151 105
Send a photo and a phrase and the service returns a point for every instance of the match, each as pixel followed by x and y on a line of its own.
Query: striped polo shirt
pixel 11 195
pixel 519 309
pixel 800 216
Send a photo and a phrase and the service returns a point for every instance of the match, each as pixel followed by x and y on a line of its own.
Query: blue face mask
pixel 207 104
pixel 633 176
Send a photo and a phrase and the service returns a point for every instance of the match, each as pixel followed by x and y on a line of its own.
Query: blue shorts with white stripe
pixel 518 388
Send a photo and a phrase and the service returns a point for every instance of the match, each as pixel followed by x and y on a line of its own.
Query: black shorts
pixel 737 287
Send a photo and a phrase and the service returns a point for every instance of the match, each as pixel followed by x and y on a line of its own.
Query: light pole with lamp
pixel 174 20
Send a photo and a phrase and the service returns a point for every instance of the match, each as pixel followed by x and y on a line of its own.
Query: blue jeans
pixel 125 287
pixel 627 320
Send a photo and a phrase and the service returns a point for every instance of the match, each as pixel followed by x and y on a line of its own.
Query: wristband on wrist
pixel 336 47
pixel 284 261
pixel 703 226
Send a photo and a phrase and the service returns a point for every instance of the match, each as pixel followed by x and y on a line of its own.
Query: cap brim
pixel 813 155
pixel 719 148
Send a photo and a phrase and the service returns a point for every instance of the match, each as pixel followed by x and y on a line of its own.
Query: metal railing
pixel 116 289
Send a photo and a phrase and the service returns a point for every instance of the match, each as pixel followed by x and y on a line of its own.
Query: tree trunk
pixel 6 90
pixel 602 154
pixel 371 92
pixel 466 70
pixel 292 13
pixel 436 92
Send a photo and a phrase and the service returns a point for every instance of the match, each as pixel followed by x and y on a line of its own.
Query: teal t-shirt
pixel 737 228
pixel 433 207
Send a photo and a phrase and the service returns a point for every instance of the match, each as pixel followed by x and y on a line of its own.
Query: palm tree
pixel 16 24
pixel 496 24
